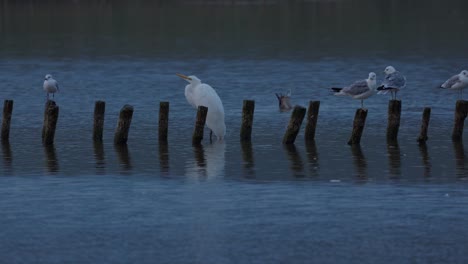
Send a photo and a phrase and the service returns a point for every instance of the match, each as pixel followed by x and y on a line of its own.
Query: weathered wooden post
pixel 7 111
pixel 312 117
pixel 358 126
pixel 425 125
pixel 461 110
pixel 123 126
pixel 199 125
pixel 247 120
pixel 47 105
pixel 394 113
pixel 50 123
pixel 294 125
pixel 163 126
pixel 99 110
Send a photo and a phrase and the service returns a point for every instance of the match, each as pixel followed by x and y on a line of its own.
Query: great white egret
pixel 50 85
pixel 360 89
pixel 457 82
pixel 393 82
pixel 201 94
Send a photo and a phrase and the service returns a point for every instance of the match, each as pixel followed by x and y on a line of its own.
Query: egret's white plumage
pixel 201 94
pixel 50 85
pixel 360 89
pixel 393 82
pixel 457 82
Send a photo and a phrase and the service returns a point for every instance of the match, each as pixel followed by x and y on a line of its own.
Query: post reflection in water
pixel 51 159
pixel 99 156
pixel 394 159
pixel 164 158
pixel 426 160
pixel 124 157
pixel 297 166
pixel 7 158
pixel 209 160
pixel 460 157
pixel 360 161
pixel 313 157
pixel 247 157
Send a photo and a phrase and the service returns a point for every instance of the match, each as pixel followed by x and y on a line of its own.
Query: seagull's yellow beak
pixel 184 77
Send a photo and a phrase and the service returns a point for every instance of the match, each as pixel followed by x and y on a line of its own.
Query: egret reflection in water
pixel 208 161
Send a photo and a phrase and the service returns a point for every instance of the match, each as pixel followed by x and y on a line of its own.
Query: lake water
pixel 326 202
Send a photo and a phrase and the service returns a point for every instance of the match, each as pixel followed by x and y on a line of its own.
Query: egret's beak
pixel 184 77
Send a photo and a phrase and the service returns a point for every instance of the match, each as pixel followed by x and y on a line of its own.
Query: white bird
pixel 393 82
pixel 360 89
pixel 457 82
pixel 201 94
pixel 50 85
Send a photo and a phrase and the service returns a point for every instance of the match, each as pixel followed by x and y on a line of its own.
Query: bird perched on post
pixel 284 101
pixel 457 82
pixel 50 85
pixel 198 93
pixel 393 82
pixel 360 89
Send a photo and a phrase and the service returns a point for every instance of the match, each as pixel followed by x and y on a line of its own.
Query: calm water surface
pixel 326 202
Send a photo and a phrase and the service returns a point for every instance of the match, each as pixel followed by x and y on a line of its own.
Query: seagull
pixel 284 101
pixel 50 85
pixel 457 82
pixel 360 89
pixel 393 82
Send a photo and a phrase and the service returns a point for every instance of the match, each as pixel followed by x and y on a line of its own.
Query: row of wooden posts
pixel 51 114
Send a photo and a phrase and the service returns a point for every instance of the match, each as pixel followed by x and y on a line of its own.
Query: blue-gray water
pixel 263 202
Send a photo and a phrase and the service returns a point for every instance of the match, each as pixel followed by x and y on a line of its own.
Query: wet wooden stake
pixel 99 110
pixel 123 126
pixel 199 125
pixel 425 125
pixel 163 121
pixel 294 125
pixel 358 126
pixel 47 105
pixel 50 123
pixel 247 120
pixel 7 111
pixel 312 116
pixel 394 113
pixel 460 115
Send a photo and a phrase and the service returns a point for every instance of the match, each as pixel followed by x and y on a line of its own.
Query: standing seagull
pixel 360 89
pixel 457 82
pixel 393 82
pixel 50 85
pixel 198 93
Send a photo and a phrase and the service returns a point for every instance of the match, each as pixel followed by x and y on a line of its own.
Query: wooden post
pixel 47 105
pixel 312 116
pixel 123 126
pixel 424 126
pixel 7 111
pixel 199 125
pixel 163 121
pixel 460 115
pixel 294 125
pixel 50 123
pixel 358 126
pixel 247 120
pixel 99 110
pixel 394 113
